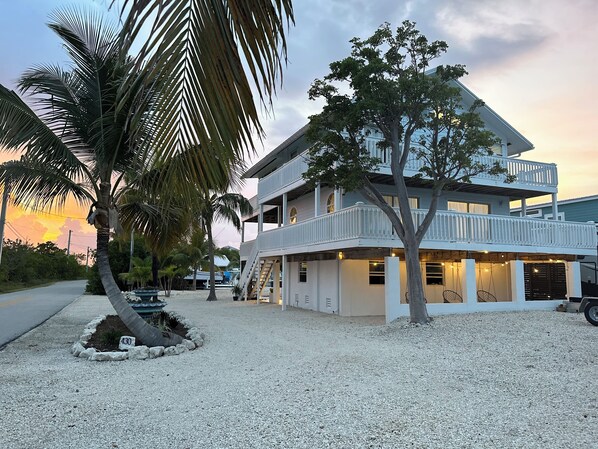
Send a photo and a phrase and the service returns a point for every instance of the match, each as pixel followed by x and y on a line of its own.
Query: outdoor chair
pixel 451 297
pixel 486 296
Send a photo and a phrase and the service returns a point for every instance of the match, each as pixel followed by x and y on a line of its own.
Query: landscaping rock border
pixel 195 339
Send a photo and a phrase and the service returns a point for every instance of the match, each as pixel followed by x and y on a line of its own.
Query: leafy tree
pixel 420 115
pixel 140 273
pixel 192 252
pixel 220 206
pixel 232 254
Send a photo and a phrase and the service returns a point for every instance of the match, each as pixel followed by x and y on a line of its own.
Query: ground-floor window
pixel 376 272
pixel 302 271
pixel 434 273
pixel 545 281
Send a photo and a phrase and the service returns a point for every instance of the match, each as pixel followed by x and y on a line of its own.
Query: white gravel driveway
pixel 296 379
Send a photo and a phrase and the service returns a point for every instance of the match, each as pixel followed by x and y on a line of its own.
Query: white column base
pixel 392 288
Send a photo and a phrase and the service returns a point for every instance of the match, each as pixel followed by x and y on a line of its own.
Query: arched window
pixel 330 204
pixel 293 216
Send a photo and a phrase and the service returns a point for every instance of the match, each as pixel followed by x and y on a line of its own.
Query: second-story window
pixel 393 201
pixel 471 208
pixel 330 204
pixel 293 215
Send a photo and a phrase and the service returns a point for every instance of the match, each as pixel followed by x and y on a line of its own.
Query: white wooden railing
pixel 528 173
pixel 369 222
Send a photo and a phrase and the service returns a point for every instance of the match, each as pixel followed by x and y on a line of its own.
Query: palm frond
pixel 202 45
pixel 41 187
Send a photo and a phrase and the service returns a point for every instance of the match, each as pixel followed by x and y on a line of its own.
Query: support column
pixel 468 281
pixel 392 288
pixel 338 199
pixel 276 283
pixel 242 232
pixel 555 207
pixel 517 282
pixel 317 200
pixel 279 214
pixel 260 220
pixel 285 213
pixel 523 207
pixel 573 274
pixel 285 282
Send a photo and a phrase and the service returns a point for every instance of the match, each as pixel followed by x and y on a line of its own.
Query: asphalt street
pixel 22 311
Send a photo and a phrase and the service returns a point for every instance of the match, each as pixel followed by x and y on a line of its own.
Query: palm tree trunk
pixel 194 287
pixel 149 335
pixel 212 295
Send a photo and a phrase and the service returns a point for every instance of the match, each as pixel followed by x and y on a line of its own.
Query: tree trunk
pixel 212 295
pixel 194 285
pixel 417 304
pixel 149 335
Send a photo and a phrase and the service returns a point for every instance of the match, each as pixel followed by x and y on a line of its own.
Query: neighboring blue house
pixel 584 209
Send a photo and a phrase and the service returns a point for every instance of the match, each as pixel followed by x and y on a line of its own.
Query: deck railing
pixel 528 173
pixel 369 222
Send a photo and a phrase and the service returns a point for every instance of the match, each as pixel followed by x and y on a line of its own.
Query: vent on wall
pixel 306 299
pixel 328 303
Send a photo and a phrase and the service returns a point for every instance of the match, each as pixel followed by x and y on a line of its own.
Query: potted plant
pixel 145 302
pixel 237 291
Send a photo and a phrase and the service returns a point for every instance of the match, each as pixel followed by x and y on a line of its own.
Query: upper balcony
pixel 532 178
pixel 366 226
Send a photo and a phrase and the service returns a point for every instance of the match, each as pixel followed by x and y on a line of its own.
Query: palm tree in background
pixel 224 207
pixel 109 114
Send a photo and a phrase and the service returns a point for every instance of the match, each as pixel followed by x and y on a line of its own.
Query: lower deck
pixel 366 287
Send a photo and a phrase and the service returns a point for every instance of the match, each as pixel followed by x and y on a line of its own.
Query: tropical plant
pixel 220 206
pixel 140 273
pixel 419 114
pixel 110 115
pixel 81 136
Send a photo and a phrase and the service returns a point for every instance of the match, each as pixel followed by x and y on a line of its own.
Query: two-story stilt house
pixel 336 253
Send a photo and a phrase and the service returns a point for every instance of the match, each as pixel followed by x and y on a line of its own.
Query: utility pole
pixel 68 246
pixel 3 216
pixel 87 260
pixel 131 252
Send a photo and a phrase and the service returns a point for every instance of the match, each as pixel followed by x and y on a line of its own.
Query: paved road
pixel 22 311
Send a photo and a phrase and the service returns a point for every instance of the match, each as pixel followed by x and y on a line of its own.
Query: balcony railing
pixel 529 174
pixel 369 223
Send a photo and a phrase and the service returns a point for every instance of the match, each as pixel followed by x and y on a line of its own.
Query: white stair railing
pixel 250 266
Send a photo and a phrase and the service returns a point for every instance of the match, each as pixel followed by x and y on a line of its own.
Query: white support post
pixel 260 220
pixel 468 281
pixel 285 218
pixel 523 207
pixel 338 199
pixel 392 288
pixel 317 200
pixel 555 207
pixel 573 274
pixel 504 150
pixel 285 282
pixel 276 282
pixel 517 282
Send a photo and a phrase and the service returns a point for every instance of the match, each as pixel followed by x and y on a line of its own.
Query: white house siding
pixel 322 283
pixel 305 204
pixel 499 205
pixel 358 297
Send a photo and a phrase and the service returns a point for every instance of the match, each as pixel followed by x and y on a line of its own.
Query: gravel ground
pixel 297 379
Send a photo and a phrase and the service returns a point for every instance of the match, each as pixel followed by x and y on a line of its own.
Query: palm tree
pixel 220 206
pixel 110 114
pixel 79 137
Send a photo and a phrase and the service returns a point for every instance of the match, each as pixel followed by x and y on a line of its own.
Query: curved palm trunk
pixel 149 335
pixel 212 295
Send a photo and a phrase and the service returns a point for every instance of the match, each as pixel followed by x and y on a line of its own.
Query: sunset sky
pixel 533 61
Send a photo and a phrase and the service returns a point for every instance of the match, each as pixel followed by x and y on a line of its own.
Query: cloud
pixel 25 227
pixel 81 237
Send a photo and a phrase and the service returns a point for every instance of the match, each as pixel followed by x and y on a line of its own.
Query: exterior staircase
pixel 257 270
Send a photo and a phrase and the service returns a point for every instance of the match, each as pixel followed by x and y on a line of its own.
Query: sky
pixel 532 61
